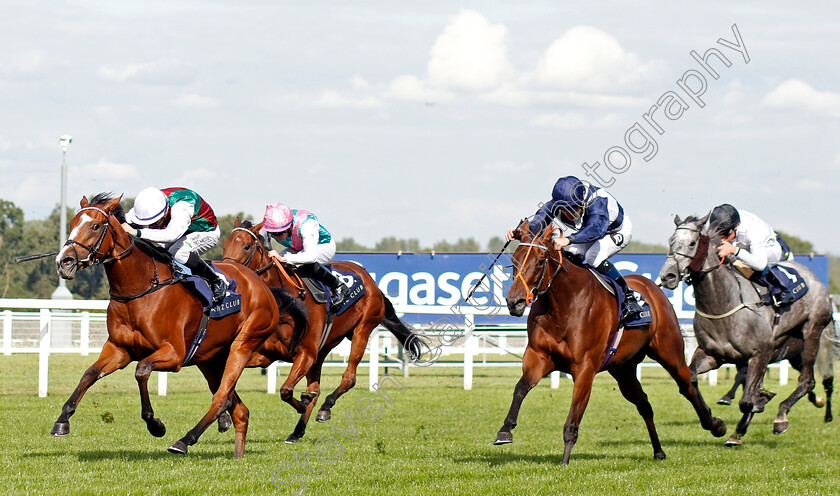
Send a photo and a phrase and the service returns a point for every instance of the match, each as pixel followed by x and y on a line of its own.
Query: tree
pixel 392 244
pixel 349 244
pixel 797 245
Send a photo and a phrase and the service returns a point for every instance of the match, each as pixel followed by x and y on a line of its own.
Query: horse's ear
pixel 110 205
pixel 84 203
pixel 237 223
pixel 702 221
pixel 677 221
pixel 258 227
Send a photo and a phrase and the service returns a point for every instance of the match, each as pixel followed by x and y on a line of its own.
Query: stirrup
pixel 339 296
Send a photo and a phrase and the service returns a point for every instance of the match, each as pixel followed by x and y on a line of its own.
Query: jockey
pixel 183 223
pixel 758 247
pixel 598 226
pixel 308 245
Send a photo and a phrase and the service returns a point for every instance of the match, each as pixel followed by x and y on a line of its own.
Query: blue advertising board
pixel 445 280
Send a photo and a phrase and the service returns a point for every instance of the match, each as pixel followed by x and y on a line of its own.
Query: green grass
pixel 435 438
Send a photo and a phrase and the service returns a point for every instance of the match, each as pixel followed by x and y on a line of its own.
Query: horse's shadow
pixel 136 455
pixel 496 457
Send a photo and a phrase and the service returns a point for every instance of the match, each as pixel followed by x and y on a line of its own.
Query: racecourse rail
pixel 78 326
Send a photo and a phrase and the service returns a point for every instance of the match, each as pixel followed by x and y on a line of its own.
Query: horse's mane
pixel 100 198
pixel 247 224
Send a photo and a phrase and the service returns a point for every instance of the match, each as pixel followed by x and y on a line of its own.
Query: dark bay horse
pixel 307 357
pixel 153 320
pixel 572 323
pixel 737 328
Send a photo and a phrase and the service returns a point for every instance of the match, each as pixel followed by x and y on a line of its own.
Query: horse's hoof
pixel 503 438
pixel 733 442
pixel 60 429
pixel 719 428
pixel 156 427
pixel 758 408
pixel 178 447
pixel 828 418
pixel 292 439
pixel 780 426
pixel 224 422
pixel 724 400
pixel 323 416
pixel 820 402
pixel 659 456
pixel 767 394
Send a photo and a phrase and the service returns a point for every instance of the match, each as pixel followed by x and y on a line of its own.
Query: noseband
pixel 694 269
pixel 535 293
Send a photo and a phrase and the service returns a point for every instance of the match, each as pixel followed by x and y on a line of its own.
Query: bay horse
pixel 243 245
pixel 737 328
pixel 571 326
pixel 153 320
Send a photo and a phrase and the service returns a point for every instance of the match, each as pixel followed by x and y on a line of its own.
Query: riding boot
pixel 782 295
pixel 631 306
pixel 202 269
pixel 337 288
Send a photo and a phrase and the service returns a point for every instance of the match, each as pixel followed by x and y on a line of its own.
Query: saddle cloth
pixel 640 320
pixel 232 302
pixel 321 293
pixel 790 277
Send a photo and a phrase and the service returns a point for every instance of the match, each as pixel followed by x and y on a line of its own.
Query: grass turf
pixel 434 438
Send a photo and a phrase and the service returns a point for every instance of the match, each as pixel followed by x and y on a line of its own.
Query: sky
pixel 433 120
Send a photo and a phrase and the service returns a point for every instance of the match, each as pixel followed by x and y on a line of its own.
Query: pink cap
pixel 278 218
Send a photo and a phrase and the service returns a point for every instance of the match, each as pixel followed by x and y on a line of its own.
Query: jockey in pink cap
pixel 308 246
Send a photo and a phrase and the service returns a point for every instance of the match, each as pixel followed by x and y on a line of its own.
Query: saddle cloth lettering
pixel 321 293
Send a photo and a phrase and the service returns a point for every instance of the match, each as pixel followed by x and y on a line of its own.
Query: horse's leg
pixel 756 367
pixel 110 359
pixel 166 358
pixel 806 377
pixel 632 391
pixel 580 398
pixel 225 398
pixel 535 365
pixel 304 360
pixel 672 359
pixel 313 389
pixel 828 384
pixel 257 360
pixel 357 350
pixel 740 378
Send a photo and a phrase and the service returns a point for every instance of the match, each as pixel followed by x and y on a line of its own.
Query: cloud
pixel 796 94
pixel 24 65
pixel 334 99
pixel 470 54
pixel 572 121
pixel 190 176
pixel 410 88
pixel 521 96
pixel 586 58
pixel 168 72
pixel 105 169
pixel 813 185
pixel 197 101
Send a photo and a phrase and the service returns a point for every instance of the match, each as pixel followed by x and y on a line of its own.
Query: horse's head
pixel 688 250
pixel 244 243
pixel 93 234
pixel 531 262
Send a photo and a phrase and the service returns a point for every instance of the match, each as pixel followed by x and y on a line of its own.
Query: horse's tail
pixel 411 340
pixel 289 305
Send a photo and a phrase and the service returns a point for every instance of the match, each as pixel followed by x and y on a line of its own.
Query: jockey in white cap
pixel 179 220
pixel 308 246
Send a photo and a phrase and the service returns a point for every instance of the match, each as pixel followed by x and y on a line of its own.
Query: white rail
pixel 79 326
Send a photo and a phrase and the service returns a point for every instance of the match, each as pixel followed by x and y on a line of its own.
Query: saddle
pixel 642 319
pixel 321 292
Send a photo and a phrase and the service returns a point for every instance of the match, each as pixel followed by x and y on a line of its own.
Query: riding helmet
pixel 724 218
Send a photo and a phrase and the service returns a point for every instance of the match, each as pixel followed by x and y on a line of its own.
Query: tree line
pixel 38 278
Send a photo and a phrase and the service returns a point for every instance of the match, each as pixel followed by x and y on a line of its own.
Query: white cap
pixel 149 207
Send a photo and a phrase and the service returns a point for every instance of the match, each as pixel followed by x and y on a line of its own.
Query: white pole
pixel 713 377
pixel 7 332
pixel 373 347
pixel 555 379
pixel 783 372
pixel 44 353
pixel 470 345
pixel 161 383
pixel 84 334
pixel 271 372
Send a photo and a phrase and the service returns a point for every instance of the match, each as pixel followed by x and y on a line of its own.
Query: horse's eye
pixel 247 247
pixel 692 244
pixel 540 262
pixel 96 227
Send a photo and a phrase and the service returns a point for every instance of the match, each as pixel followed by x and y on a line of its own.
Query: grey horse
pixel 733 326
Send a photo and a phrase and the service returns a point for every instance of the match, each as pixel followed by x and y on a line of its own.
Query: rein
pixel 535 293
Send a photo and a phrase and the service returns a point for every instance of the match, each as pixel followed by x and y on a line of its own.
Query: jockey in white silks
pixel 754 243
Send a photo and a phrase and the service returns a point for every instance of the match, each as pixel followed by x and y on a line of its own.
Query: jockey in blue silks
pixel 593 226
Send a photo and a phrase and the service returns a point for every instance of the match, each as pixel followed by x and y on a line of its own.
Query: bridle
pixel 93 250
pixel 694 269
pixel 257 248
pixel 535 292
